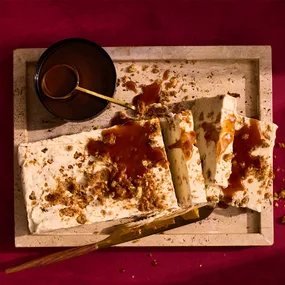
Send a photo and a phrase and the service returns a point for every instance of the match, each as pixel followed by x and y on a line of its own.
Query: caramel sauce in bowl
pixel 96 71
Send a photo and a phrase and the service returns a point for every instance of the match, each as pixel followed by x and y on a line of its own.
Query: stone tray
pixel 201 71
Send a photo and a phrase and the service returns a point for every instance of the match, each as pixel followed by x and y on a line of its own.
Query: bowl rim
pixel 44 56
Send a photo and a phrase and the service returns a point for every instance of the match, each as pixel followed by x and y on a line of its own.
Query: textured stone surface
pixel 203 71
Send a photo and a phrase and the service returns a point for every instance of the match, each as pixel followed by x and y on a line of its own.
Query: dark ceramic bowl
pixel 96 72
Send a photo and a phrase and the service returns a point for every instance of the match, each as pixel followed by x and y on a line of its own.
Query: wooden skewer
pixel 120 235
pixel 54 257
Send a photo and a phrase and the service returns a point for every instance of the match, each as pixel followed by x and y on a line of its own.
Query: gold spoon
pixel 72 79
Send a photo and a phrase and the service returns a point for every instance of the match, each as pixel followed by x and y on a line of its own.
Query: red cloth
pixel 26 23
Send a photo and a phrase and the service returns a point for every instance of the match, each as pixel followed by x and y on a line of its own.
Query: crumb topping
pixel 69 193
pixel 81 219
pixel 131 152
pixel 172 83
pixel 44 150
pixel 32 196
pixel 131 68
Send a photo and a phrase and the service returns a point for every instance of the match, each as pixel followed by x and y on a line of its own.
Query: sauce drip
pixel 185 142
pixel 222 139
pixel 131 85
pixel 129 145
pixel 245 141
pixel 227 135
pixel 150 94
pixel 59 81
pixel 166 74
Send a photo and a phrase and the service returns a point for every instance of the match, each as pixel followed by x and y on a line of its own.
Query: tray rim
pixel 262 54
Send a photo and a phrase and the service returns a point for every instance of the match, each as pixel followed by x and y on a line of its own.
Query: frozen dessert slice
pixel 96 176
pixel 252 163
pixel 183 155
pixel 214 121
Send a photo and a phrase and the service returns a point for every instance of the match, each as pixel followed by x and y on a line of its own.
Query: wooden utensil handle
pixel 54 257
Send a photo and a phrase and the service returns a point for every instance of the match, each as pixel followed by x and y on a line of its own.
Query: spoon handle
pixel 110 99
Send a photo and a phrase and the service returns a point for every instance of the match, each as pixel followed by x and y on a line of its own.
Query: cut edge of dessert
pixel 149 168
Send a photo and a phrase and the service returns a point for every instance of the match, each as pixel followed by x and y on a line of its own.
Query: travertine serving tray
pixel 201 71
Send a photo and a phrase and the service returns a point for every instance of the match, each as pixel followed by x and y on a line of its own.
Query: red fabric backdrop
pixel 25 23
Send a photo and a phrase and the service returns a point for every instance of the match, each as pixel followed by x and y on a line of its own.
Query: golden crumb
pixel 131 68
pixel 32 196
pixel 283 220
pixel 124 79
pixel 77 155
pixel 155 70
pixel 282 194
pixel 228 157
pixel 250 180
pixel 274 156
pixel 34 161
pixel 154 263
pixel 276 204
pixel 144 67
pixel 172 83
pixel 278 169
pixel 281 145
pixel 69 147
pixel 267 195
pixel 81 219
pixel 67 212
